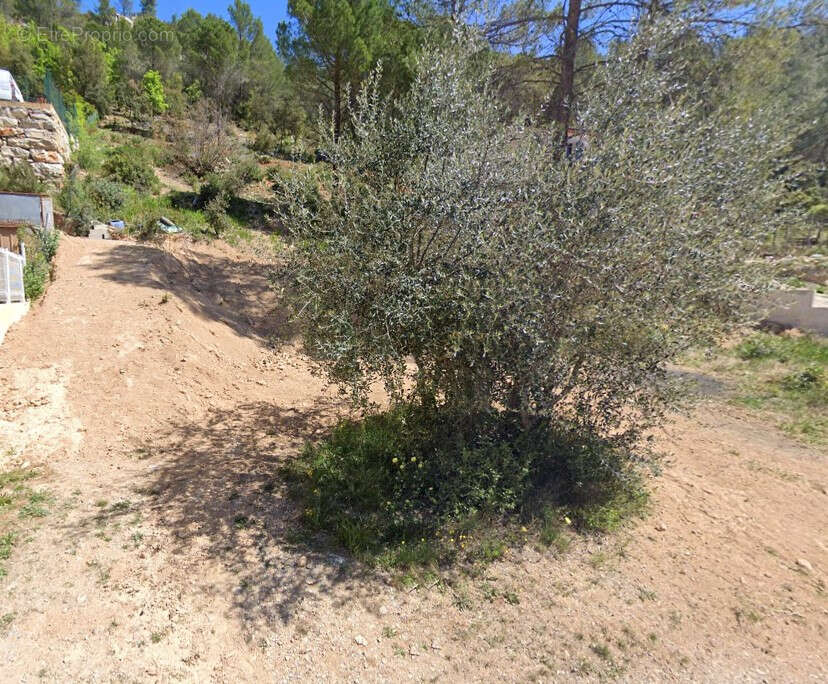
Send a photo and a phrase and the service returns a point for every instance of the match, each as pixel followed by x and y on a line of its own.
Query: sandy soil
pixel 146 392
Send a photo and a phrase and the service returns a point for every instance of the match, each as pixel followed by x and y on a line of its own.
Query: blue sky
pixel 271 12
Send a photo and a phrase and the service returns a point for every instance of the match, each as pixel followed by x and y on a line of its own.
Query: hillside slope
pixel 149 412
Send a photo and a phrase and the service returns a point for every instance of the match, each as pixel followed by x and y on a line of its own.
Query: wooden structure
pixel 8 237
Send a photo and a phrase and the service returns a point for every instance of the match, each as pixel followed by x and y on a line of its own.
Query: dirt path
pixel 144 394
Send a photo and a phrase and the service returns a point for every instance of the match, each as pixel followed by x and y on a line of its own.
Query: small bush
pixel 146 227
pixel 205 142
pixel 266 142
pixel 76 203
pixel 89 199
pixel 219 189
pixel 41 248
pixel 802 380
pixel 754 348
pixel 402 476
pixel 35 276
pixel 47 243
pixel 130 165
pixel 89 153
pixel 105 194
pixel 20 178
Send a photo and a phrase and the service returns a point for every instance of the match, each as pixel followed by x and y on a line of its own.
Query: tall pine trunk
pixel 337 88
pixel 560 109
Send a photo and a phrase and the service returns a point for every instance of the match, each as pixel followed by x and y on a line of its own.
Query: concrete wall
pixel 10 314
pixel 32 133
pixel 802 309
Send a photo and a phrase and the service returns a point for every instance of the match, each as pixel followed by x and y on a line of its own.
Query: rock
pixel 47 157
pixel 54 170
pixel 336 559
pixel 302 562
pixel 435 646
pixel 661 527
pixel 804 564
pixel 360 640
pixel 38 134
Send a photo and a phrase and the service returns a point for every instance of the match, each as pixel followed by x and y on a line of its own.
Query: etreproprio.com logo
pixel 106 35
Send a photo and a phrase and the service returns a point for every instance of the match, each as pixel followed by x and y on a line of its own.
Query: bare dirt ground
pixel 144 393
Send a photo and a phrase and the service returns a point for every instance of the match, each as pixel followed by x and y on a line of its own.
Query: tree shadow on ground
pixel 214 488
pixel 237 292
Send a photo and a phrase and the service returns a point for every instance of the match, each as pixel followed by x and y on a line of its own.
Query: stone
pixel 661 527
pixel 48 157
pixel 360 640
pixel 9 131
pixel 38 144
pixel 19 142
pixel 47 125
pixel 38 133
pixel 18 153
pixel 52 170
pixel 804 564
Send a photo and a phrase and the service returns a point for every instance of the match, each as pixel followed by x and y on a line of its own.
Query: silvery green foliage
pixel 459 256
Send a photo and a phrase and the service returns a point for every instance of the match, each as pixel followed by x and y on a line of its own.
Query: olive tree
pixel 470 263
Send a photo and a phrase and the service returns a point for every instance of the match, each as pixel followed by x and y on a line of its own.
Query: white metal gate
pixel 11 277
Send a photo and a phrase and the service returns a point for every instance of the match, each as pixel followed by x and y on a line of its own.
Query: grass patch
pixel 37 505
pixel 602 651
pixel 5 620
pixel 6 543
pixel 405 489
pixel 15 477
pixel 784 375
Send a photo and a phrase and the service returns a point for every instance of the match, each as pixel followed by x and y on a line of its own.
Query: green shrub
pixel 88 157
pixel 404 475
pixel 130 165
pixel 47 243
pixel 154 92
pixel 20 178
pixel 220 188
pixel 89 152
pixel 754 348
pixel 146 227
pixel 90 199
pixel 76 203
pixel 35 276
pixel 803 380
pixel 266 142
pixel 41 248
pixel 105 194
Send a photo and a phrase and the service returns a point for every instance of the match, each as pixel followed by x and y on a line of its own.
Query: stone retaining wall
pixel 32 133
